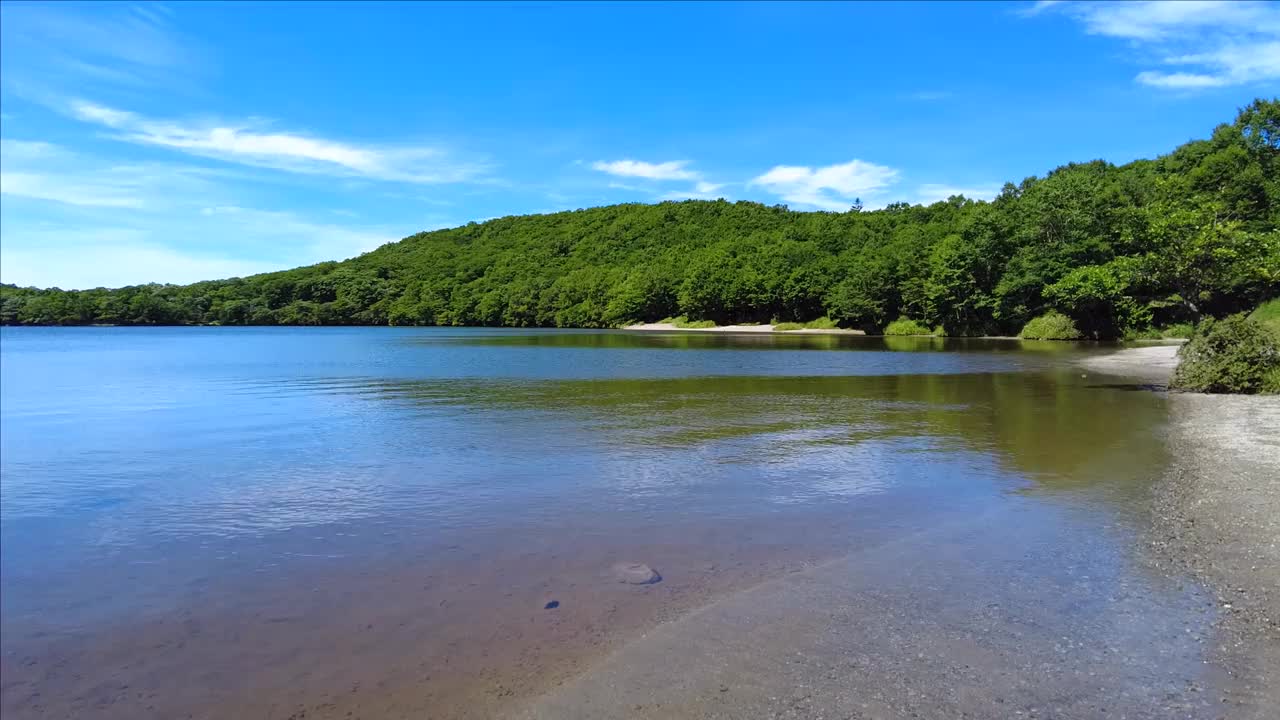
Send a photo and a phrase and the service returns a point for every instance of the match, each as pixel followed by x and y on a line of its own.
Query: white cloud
pixel 672 170
pixel 1222 43
pixel 74 221
pixel 833 187
pixel 51 173
pixel 930 193
pixel 1180 81
pixel 294 152
pixel 45 187
pixel 217 242
pixel 117 263
pixel 1039 7
pixel 1158 19
pixel 700 191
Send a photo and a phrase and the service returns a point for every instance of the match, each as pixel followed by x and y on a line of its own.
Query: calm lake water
pixel 221 522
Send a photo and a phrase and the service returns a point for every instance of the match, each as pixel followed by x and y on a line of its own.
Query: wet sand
pixel 1154 363
pixel 1038 620
pixel 457 631
pixel 1217 517
pixel 874 635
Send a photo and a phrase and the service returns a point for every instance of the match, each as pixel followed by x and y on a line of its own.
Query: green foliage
pixel 1100 299
pixel 822 323
pixel 1050 326
pixel 1268 315
pixel 1118 249
pixel 1232 355
pixel 687 324
pixel 1176 331
pixel 906 326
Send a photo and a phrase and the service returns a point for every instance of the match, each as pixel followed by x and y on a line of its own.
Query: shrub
pixel 1178 330
pixel 1268 314
pixel 1175 331
pixel 822 323
pixel 906 326
pixel 1050 326
pixel 694 324
pixel 687 324
pixel 1233 355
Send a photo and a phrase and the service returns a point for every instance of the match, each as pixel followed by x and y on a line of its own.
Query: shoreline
pixel 1216 518
pixel 763 328
pixel 1152 363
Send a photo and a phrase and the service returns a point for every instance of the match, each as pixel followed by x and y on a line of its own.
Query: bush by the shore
pixel 1268 313
pixel 907 326
pixel 1232 355
pixel 685 323
pixel 1176 331
pixel 1050 326
pixel 822 323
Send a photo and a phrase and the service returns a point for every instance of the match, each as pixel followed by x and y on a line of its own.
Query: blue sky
pixel 188 141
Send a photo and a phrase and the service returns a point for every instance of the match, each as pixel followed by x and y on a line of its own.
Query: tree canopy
pixel 1114 248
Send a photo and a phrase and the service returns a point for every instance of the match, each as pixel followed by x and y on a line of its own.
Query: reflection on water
pixel 126 439
pixel 143 469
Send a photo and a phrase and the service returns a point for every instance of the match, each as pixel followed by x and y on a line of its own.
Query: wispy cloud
pixel 930 193
pixel 1202 44
pixel 700 191
pixel 833 187
pixel 65 44
pixel 45 187
pixel 671 170
pixel 115 250
pixel 114 258
pixel 51 173
pixel 74 220
pixel 249 144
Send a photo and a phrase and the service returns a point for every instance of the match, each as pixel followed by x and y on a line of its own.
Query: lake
pixel 372 522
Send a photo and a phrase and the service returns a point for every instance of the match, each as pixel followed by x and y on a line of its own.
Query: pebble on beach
pixel 635 573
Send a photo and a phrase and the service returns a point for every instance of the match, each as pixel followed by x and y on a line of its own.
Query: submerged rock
pixel 634 573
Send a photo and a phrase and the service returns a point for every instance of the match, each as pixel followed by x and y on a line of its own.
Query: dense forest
pixel 1118 249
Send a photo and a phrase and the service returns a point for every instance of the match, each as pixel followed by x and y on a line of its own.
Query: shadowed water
pixel 232 521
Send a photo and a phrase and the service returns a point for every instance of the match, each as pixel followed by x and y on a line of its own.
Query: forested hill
pixel 1117 248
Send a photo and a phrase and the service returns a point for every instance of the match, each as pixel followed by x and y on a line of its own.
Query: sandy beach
pixel 1217 518
pixel 1154 363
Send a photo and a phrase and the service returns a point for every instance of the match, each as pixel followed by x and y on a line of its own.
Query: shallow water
pixel 215 522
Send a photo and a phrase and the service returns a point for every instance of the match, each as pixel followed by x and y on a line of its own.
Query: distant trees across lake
pixel 1117 249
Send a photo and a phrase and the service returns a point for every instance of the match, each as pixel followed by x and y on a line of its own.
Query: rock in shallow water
pixel 634 573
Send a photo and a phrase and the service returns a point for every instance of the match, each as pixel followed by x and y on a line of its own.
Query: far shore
pixel 669 327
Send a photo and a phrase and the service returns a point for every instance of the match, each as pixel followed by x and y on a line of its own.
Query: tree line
pixel 1118 249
